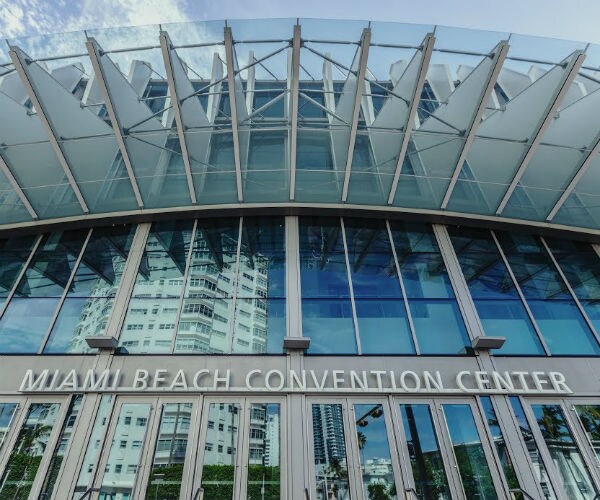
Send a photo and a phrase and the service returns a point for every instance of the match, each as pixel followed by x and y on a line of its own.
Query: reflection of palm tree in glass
pixel 338 477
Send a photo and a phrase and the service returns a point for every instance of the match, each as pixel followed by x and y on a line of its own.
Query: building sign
pixel 343 381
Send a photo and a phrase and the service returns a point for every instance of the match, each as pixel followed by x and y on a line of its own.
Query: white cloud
pixel 33 17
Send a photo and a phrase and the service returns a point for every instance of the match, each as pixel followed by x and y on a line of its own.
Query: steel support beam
pixel 20 62
pixel 583 167
pixel 15 185
pixel 95 53
pixel 427 48
pixel 569 75
pixel 296 43
pixel 498 60
pixel 165 45
pixel 229 55
pixel 360 85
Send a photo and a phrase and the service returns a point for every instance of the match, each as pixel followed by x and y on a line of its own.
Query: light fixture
pixel 486 343
pixel 102 342
pixel 296 343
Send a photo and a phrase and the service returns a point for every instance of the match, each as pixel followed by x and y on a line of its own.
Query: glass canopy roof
pixel 300 111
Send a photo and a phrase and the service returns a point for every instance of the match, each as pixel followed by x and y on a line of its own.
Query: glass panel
pixel 438 324
pixel 169 452
pixel 59 452
pixel 220 450
pixel 94 445
pixel 14 252
pixel 589 415
pixel 567 458
pixel 380 310
pixel 326 307
pixel 374 451
pixel 125 453
pixel 329 447
pixel 498 437
pixel 496 298
pixel 90 298
pixel 7 411
pixel 548 297
pixel 149 325
pixel 424 452
pixel 581 266
pixel 259 325
pixel 472 464
pixel 27 317
pixel 28 451
pixel 207 306
pixel 534 453
pixel 264 473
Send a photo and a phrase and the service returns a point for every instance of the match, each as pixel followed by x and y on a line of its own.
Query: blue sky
pixel 570 19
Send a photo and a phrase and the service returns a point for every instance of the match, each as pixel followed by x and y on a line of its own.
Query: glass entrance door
pixel 241 446
pixel 353 450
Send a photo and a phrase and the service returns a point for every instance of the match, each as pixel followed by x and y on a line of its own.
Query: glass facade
pixel 367 286
pixel 266 259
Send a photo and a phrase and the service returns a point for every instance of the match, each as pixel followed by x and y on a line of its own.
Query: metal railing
pixel 199 495
pixel 306 494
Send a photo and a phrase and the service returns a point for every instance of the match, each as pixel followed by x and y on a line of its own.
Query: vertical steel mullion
pixel 236 278
pixel 351 288
pixel 150 442
pixel 128 278
pixel 191 456
pixel 582 442
pixel 53 442
pixel 292 278
pixel 553 476
pixel 458 283
pixel 22 272
pixel 490 440
pixel 400 441
pixel 403 290
pixel 571 291
pixel 352 451
pixel 296 44
pixel 65 292
pixel 440 423
pixel 521 296
pixel 243 451
pixel 184 288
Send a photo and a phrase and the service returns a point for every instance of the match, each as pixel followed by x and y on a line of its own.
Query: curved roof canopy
pixel 300 111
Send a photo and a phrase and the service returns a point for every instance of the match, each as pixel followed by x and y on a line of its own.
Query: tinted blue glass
pixel 581 266
pixel 424 451
pixel 259 326
pixel 262 258
pixel 383 326
pixel 25 324
pixel 13 255
pixel 52 264
pixel 438 324
pixel 496 299
pixel 470 457
pixel 322 262
pixel 323 275
pixel 328 323
pixel 380 310
pixel 90 298
pixel 371 260
pixel 571 467
pixel 551 304
pixel 534 453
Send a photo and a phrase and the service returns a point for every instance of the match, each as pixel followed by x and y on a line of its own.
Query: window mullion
pixel 351 288
pixel 65 292
pixel 188 263
pixel 571 291
pixel 521 296
pixel 404 297
pixel 236 277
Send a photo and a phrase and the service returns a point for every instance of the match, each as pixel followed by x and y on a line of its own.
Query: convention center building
pixel 299 259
